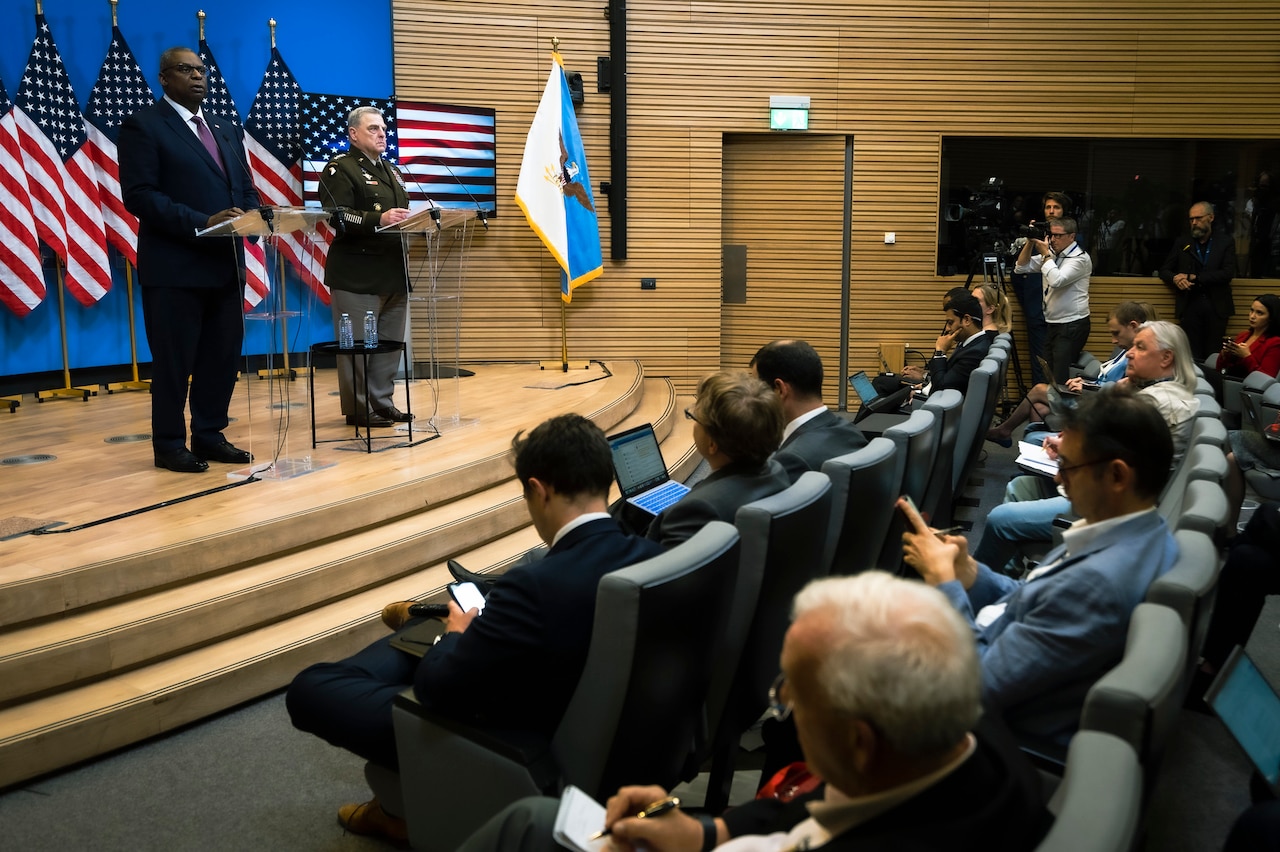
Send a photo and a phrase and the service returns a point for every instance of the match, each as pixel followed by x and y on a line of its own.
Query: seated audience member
pixel 881 678
pixel 1045 640
pixel 513 667
pixel 813 434
pixel 964 334
pixel 1160 364
pixel 737 426
pixel 995 307
pixel 1258 346
pixel 1123 324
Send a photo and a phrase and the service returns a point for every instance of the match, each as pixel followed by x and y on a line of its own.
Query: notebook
pixel 1250 708
pixel 641 472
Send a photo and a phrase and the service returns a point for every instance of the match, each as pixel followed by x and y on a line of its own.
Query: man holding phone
pixel 513 667
pixel 1045 640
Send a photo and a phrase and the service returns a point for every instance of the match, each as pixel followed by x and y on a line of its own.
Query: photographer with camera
pixel 1064 269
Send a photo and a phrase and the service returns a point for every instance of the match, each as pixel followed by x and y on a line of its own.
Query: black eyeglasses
pixel 1055 236
pixel 184 68
pixel 688 413
pixel 1071 467
pixel 778 708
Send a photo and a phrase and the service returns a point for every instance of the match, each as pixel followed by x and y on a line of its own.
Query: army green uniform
pixel 365 270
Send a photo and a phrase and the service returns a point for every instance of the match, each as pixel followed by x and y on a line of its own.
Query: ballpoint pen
pixel 656 809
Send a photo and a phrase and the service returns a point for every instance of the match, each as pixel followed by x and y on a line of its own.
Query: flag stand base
pixel 12 401
pixel 69 392
pixel 129 386
pixel 564 366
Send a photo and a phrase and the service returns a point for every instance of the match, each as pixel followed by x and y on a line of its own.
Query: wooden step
pixel 249 632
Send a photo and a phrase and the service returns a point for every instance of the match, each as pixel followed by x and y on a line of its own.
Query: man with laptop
pixel 813 434
pixel 964 338
pixel 512 667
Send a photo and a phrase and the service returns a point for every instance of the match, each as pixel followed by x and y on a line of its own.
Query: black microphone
pixel 481 213
pixel 435 208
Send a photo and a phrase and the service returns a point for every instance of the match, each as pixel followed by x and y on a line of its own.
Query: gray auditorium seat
pixel 864 486
pixel 1098 805
pixel 1139 700
pixel 938 494
pixel 914 461
pixel 658 625
pixel 1255 387
pixel 784 539
pixel 1204 508
pixel 975 418
pixel 1189 589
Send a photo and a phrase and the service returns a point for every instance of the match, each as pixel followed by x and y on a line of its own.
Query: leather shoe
pixel 462 575
pixel 224 452
pixel 393 413
pixel 371 820
pixel 374 421
pixel 181 461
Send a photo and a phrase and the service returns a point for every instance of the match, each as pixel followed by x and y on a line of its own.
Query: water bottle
pixel 370 330
pixel 346 339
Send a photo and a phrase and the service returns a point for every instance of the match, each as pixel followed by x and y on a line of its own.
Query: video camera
pixel 1034 231
pixel 984 205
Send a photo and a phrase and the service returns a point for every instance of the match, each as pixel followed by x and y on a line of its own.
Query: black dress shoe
pixel 393 413
pixel 181 461
pixel 224 452
pixel 462 575
pixel 374 421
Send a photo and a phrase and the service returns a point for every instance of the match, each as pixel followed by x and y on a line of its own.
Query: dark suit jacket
pixel 515 668
pixel 717 498
pixel 991 801
pixel 169 181
pixel 824 437
pixel 1213 277
pixel 360 259
pixel 954 372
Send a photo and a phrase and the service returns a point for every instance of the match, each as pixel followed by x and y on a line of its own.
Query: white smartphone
pixel 467 596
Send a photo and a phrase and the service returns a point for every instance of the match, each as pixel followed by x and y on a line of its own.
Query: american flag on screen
pixel 121 91
pixel 275 159
pixel 447 153
pixel 60 175
pixel 218 102
pixel 21 274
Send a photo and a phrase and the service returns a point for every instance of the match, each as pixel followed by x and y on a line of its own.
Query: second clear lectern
pixel 437 274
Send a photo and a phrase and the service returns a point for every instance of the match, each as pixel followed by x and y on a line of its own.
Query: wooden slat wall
pixel 894 76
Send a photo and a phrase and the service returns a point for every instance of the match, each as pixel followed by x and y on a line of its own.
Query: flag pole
pixel 135 383
pixel 66 390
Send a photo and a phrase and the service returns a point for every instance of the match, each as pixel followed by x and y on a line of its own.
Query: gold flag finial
pixel 114 21
pixel 555 43
pixel 272 24
pixel 39 7
pixel 200 17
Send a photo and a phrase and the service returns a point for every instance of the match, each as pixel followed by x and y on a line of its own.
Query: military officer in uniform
pixel 365 270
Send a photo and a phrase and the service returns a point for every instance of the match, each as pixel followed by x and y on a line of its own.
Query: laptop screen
pixel 1250 708
pixel 862 387
pixel 637 460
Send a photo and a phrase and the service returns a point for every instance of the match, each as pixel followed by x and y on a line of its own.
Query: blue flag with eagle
pixel 554 189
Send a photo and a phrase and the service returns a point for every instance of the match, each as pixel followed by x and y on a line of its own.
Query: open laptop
pixel 872 400
pixel 641 472
pixel 1250 708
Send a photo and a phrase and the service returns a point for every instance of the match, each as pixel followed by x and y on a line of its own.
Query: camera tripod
pixel 993 273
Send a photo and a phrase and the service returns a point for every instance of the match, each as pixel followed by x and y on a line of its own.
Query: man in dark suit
pixel 365 269
pixel 813 434
pixel 1200 271
pixel 964 338
pixel 881 678
pixel 513 667
pixel 180 172
pixel 737 426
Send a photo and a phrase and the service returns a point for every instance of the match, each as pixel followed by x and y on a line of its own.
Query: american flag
pixel 445 152
pixel 218 102
pixel 21 275
pixel 322 120
pixel 275 158
pixel 121 91
pixel 60 174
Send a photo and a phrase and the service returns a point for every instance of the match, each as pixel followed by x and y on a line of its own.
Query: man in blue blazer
pixel 182 171
pixel 512 668
pixel 1045 640
pixel 813 434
